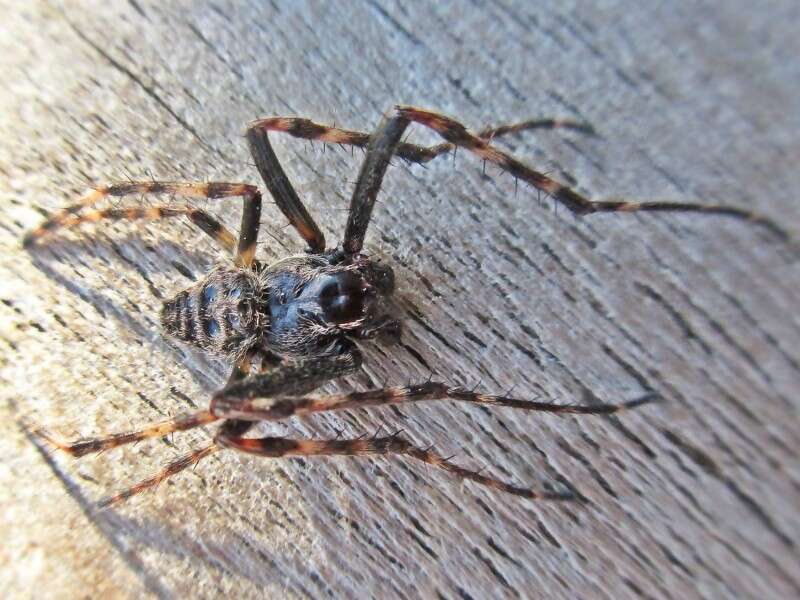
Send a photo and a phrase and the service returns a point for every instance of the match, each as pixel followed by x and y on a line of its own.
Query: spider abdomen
pixel 222 314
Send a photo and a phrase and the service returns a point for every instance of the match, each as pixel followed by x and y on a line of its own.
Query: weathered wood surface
pixel 696 497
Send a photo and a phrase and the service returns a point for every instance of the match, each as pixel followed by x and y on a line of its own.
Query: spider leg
pixel 286 377
pixel 72 217
pixel 456 133
pixel 309 130
pixel 248 230
pixel 235 404
pixel 240 371
pixel 289 379
pixel 84 446
pixel 490 133
pixel 281 188
pixel 381 148
pixel 203 220
pixel 382 145
pixel 187 460
pixel 386 446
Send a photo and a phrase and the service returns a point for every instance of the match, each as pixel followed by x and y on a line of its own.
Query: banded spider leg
pixel 244 250
pixel 279 394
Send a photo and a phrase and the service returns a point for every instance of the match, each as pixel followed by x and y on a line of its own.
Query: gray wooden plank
pixel 696 497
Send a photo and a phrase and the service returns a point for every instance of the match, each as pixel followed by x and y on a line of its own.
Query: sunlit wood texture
pixel 696 497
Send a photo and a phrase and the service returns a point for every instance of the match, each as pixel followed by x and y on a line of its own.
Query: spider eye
pixel 212 327
pixel 234 293
pixel 209 294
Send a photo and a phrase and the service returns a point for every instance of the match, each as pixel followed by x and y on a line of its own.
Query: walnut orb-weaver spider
pixel 298 317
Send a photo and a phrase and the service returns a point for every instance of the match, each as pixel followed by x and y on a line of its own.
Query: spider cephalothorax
pixel 316 300
pixel 301 315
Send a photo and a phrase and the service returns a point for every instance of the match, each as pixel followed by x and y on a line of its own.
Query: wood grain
pixel 693 498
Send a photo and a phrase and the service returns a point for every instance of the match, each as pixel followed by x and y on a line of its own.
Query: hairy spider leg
pixel 381 148
pixel 244 251
pixel 176 466
pixel 230 437
pixel 276 395
pixel 309 130
pixel 580 126
pixel 382 145
pixel 284 378
pixel 281 380
pixel 84 446
pixel 281 189
pixel 456 133
pixel 241 402
pixel 240 370
pixel 386 446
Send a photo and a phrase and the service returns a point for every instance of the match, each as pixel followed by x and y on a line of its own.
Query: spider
pixel 290 326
